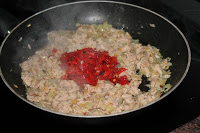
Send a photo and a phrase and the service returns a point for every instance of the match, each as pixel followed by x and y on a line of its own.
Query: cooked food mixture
pixel 95 70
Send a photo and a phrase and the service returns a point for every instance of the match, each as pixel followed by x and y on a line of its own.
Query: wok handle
pixel 7 22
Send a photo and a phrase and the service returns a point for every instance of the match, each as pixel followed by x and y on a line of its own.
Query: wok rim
pixel 109 115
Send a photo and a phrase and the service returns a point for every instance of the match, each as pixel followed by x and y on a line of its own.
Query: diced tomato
pixel 121 70
pixel 54 50
pixel 123 80
pixel 87 65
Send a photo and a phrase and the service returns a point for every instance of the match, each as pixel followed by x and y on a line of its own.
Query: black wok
pixel 133 19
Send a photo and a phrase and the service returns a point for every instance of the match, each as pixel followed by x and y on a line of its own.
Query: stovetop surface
pixel 179 107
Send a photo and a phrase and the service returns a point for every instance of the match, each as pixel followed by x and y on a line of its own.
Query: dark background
pixel 180 107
